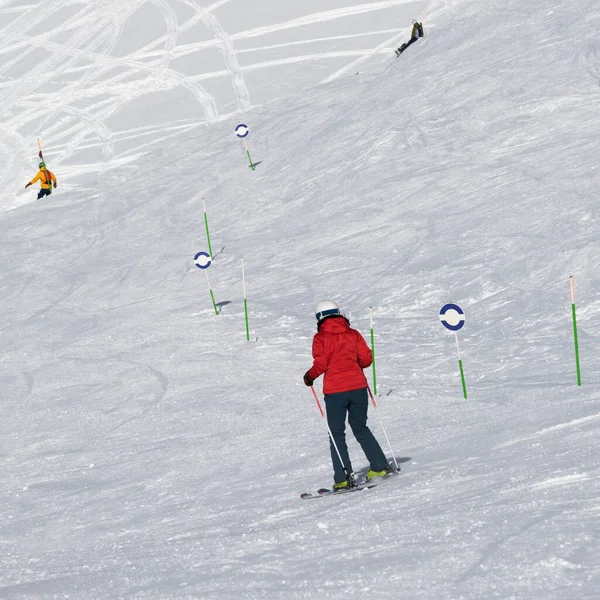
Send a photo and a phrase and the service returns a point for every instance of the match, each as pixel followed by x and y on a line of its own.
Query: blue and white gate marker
pixel 202 261
pixel 452 317
pixel 242 131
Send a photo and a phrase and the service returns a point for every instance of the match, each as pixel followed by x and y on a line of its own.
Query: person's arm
pixel 319 358
pixel 36 178
pixel 365 356
pixel 53 178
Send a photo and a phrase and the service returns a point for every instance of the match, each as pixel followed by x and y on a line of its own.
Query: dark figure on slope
pixel 46 179
pixel 341 353
pixel 417 32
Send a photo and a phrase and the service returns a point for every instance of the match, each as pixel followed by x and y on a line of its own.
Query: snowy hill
pixel 151 451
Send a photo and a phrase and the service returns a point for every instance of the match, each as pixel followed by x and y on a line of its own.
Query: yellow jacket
pixel 45 177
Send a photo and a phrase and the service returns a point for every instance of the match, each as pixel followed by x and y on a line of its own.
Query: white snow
pixel 149 450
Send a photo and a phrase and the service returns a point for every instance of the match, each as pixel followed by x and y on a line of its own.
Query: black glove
pixel 307 379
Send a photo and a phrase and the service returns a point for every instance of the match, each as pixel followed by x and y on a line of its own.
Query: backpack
pixel 48 178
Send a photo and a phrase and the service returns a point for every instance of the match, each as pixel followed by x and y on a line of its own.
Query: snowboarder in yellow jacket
pixel 46 179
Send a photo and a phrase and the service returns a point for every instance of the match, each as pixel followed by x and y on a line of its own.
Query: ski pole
pixel 382 427
pixel 373 350
pixel 349 475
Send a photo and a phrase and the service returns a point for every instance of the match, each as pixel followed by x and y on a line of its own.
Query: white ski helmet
pixel 326 308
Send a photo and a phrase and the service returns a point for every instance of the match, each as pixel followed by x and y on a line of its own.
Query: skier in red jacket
pixel 341 353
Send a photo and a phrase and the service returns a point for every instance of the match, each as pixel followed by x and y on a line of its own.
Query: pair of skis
pixel 321 493
pixel 392 468
pixel 40 154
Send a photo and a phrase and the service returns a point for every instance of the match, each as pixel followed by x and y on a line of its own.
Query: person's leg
pixel 43 192
pixel 337 408
pixel 357 417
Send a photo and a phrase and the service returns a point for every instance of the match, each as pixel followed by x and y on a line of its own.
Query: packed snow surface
pixel 149 449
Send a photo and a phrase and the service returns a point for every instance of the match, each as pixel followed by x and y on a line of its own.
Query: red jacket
pixel 341 353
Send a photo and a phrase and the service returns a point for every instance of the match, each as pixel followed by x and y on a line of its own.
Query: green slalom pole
pixel 460 366
pixel 245 303
pixel 575 330
pixel 202 261
pixel 373 351
pixel 242 131
pixel 207 233
pixel 212 296
pixel 248 153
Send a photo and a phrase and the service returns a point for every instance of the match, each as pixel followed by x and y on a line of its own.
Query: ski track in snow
pixel 553 429
pixel 242 93
pixel 78 90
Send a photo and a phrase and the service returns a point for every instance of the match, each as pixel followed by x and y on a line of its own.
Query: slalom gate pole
pixel 575 330
pixel 373 350
pixel 207 234
pixel 382 427
pixel 212 296
pixel 460 366
pixel 248 153
pixel 350 475
pixel 245 303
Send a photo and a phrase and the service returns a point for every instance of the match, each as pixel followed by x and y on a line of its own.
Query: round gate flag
pixel 202 260
pixel 452 317
pixel 242 130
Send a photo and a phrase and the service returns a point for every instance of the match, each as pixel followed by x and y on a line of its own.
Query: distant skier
pixel 417 32
pixel 341 353
pixel 46 179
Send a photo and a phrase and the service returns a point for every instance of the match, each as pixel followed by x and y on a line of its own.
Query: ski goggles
pixel 326 313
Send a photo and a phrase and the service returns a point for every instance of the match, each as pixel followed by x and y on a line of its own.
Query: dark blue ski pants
pixel 43 192
pixel 353 404
pixel 407 44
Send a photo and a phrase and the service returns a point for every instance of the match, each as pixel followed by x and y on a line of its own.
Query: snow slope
pixel 102 81
pixel 149 450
